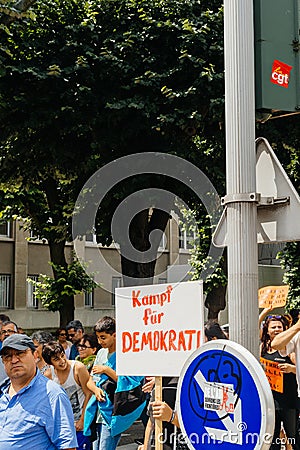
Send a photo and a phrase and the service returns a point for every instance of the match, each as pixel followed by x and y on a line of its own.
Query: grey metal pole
pixel 241 160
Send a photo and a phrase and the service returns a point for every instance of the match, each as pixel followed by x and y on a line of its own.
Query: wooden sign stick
pixel 158 423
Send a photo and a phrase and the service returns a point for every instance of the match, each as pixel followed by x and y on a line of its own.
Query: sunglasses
pixel 62 334
pixel 71 335
pixel 84 347
pixel 273 317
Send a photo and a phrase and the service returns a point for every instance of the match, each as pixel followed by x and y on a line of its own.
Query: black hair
pixel 4 318
pixel 106 324
pixel 76 324
pixel 212 330
pixel 91 338
pixel 51 349
pixel 59 330
pixel 265 337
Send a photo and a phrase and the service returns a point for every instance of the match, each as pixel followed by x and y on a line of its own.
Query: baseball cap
pixel 17 342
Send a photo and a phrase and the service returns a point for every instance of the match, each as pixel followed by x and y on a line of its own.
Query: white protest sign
pixel 158 327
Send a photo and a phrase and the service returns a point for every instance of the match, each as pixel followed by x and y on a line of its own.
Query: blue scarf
pixel 124 401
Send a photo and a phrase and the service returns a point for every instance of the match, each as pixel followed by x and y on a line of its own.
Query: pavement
pixel 127 441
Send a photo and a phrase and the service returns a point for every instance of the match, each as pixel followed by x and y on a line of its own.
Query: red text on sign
pixel 169 340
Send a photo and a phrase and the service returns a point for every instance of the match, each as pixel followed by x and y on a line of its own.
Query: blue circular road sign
pixel 224 397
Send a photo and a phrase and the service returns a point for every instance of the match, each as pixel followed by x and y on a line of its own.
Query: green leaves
pixel 290 261
pixel 83 83
pixel 69 281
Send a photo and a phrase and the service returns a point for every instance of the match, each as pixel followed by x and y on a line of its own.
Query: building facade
pixel 22 258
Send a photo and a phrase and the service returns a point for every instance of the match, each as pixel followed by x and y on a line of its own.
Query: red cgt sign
pixel 280 73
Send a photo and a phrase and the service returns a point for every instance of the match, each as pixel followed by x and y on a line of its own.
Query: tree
pixel 83 83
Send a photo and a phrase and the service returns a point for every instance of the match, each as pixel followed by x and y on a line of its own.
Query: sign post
pixel 158 423
pixel 224 398
pixel 241 183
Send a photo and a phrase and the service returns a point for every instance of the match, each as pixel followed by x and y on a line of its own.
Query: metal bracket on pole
pixel 240 198
pixel 254 197
pixel 272 201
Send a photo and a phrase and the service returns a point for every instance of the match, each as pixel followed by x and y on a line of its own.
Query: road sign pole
pixel 241 160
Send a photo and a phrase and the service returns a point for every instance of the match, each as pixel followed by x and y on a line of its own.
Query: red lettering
pixel 190 334
pixel 163 298
pixel 145 300
pixel 135 342
pixel 147 314
pixel 152 299
pixel 146 340
pixel 172 337
pixel 163 345
pixel 156 341
pixel 181 341
pixel 135 300
pixel 126 341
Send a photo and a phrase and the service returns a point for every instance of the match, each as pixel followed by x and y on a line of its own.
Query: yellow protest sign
pixel 274 374
pixel 274 296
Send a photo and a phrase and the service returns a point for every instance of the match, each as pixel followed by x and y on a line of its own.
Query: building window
pixel 5 287
pixel 89 299
pixel 32 301
pixel 163 242
pixel 186 239
pixel 91 237
pixel 5 229
pixel 116 283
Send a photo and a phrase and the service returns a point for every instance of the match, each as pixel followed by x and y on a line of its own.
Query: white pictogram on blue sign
pixel 224 397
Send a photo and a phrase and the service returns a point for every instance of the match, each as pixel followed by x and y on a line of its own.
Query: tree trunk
pixel 139 269
pixel 57 256
pixel 216 299
pixel 66 312
pixel 215 302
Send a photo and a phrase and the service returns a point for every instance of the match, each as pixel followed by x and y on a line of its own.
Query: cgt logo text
pixel 280 73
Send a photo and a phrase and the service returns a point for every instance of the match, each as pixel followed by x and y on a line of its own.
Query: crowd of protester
pixel 59 390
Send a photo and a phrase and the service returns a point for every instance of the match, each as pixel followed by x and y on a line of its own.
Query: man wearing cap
pixel 34 411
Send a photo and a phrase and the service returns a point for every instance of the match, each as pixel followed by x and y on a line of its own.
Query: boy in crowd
pixel 121 395
pixel 72 376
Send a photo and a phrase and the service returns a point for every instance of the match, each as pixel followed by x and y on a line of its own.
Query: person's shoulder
pixel 47 386
pixel 4 385
pixel 78 364
pixel 80 370
pixel 102 351
pixel 101 356
pixel 54 392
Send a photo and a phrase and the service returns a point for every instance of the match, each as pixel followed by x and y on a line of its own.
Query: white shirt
pixel 294 347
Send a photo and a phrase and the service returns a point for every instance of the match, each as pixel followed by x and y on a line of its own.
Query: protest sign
pixel 274 296
pixel 158 327
pixel 273 373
